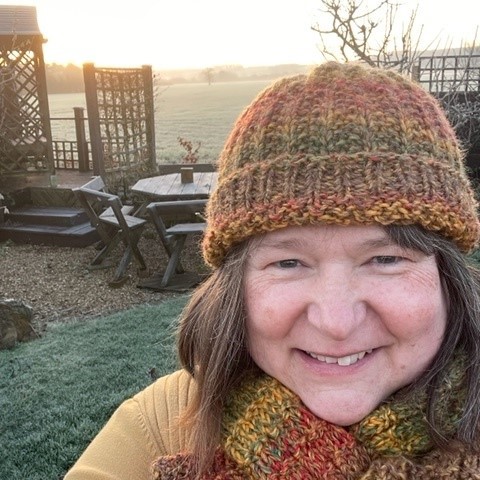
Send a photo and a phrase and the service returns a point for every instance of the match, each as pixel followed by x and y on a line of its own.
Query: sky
pixel 182 34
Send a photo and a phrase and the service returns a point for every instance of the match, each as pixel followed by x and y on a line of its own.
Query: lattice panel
pixel 123 118
pixel 450 73
pixel 23 142
pixel 455 81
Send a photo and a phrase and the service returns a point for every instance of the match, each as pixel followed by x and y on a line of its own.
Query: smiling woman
pixel 337 337
pixel 343 296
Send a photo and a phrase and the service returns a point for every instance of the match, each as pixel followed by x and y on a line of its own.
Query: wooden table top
pixel 170 187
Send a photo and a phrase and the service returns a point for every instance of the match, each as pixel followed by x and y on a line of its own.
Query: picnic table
pixel 170 191
pixel 170 187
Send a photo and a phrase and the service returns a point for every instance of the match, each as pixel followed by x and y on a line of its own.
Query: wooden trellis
pixel 455 81
pixel 444 74
pixel 25 134
pixel 121 122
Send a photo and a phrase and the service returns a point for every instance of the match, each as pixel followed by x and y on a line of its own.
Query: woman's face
pixel 341 315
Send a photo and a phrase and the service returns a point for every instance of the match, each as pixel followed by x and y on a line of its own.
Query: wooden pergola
pixel 25 132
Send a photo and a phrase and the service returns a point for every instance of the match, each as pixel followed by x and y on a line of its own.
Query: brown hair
pixel 212 339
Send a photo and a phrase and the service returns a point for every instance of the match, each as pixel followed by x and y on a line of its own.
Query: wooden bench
pixel 114 224
pixel 173 237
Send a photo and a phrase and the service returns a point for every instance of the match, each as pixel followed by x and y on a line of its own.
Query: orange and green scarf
pixel 269 434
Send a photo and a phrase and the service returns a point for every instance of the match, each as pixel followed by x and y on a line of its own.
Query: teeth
pixel 348 360
pixel 342 361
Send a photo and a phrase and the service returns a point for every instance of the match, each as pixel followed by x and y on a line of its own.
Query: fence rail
pixel 450 73
pixel 70 154
pixel 66 156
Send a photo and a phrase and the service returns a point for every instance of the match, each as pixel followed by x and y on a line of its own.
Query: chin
pixel 341 415
pixel 342 421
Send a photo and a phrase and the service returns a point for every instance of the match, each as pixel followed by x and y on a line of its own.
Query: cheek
pixel 271 311
pixel 415 310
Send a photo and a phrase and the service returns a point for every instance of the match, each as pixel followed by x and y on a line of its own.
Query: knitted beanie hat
pixel 347 145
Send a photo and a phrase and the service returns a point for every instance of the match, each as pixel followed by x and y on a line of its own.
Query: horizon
pixel 199 34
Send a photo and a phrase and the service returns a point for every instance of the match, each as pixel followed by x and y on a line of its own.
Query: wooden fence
pixel 446 74
pixel 70 154
pixel 121 121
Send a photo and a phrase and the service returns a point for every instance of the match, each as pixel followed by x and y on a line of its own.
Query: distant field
pixel 196 112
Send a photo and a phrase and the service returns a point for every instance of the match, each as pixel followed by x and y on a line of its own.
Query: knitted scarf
pixel 269 434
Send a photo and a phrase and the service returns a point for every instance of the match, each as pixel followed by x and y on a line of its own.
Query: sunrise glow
pixel 204 33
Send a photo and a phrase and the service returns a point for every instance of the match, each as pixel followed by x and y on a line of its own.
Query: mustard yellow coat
pixel 142 429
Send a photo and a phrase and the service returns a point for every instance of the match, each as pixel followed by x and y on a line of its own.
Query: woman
pixel 338 336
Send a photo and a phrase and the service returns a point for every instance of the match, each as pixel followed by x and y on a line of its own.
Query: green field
pixel 197 112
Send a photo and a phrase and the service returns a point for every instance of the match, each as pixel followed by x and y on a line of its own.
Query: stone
pixel 15 323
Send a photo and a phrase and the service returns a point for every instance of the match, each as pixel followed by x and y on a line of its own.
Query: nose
pixel 335 305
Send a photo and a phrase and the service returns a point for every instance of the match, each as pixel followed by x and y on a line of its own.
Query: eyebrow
pixel 287 243
pixel 281 244
pixel 379 242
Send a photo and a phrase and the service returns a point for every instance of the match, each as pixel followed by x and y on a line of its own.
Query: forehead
pixel 299 236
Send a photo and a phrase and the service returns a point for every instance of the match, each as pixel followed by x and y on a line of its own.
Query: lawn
pixel 57 392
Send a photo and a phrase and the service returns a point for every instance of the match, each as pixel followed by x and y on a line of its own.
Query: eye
pixel 289 263
pixel 386 259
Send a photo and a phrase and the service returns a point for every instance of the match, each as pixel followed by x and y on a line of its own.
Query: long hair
pixel 212 339
pixel 211 343
pixel 461 280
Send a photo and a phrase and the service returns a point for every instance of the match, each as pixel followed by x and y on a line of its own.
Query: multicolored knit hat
pixel 346 144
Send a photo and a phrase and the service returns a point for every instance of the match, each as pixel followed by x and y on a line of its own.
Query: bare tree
pixel 208 74
pixel 351 30
pixel 368 34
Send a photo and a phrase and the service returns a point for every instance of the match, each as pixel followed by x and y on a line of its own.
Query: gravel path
pixel 58 284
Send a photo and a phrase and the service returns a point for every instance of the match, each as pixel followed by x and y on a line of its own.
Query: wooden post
pixel 43 102
pixel 93 119
pixel 150 114
pixel 416 72
pixel 82 146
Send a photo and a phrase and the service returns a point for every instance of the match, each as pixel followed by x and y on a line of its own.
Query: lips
pixel 345 361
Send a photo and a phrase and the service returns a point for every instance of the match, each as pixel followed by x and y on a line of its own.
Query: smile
pixel 342 361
